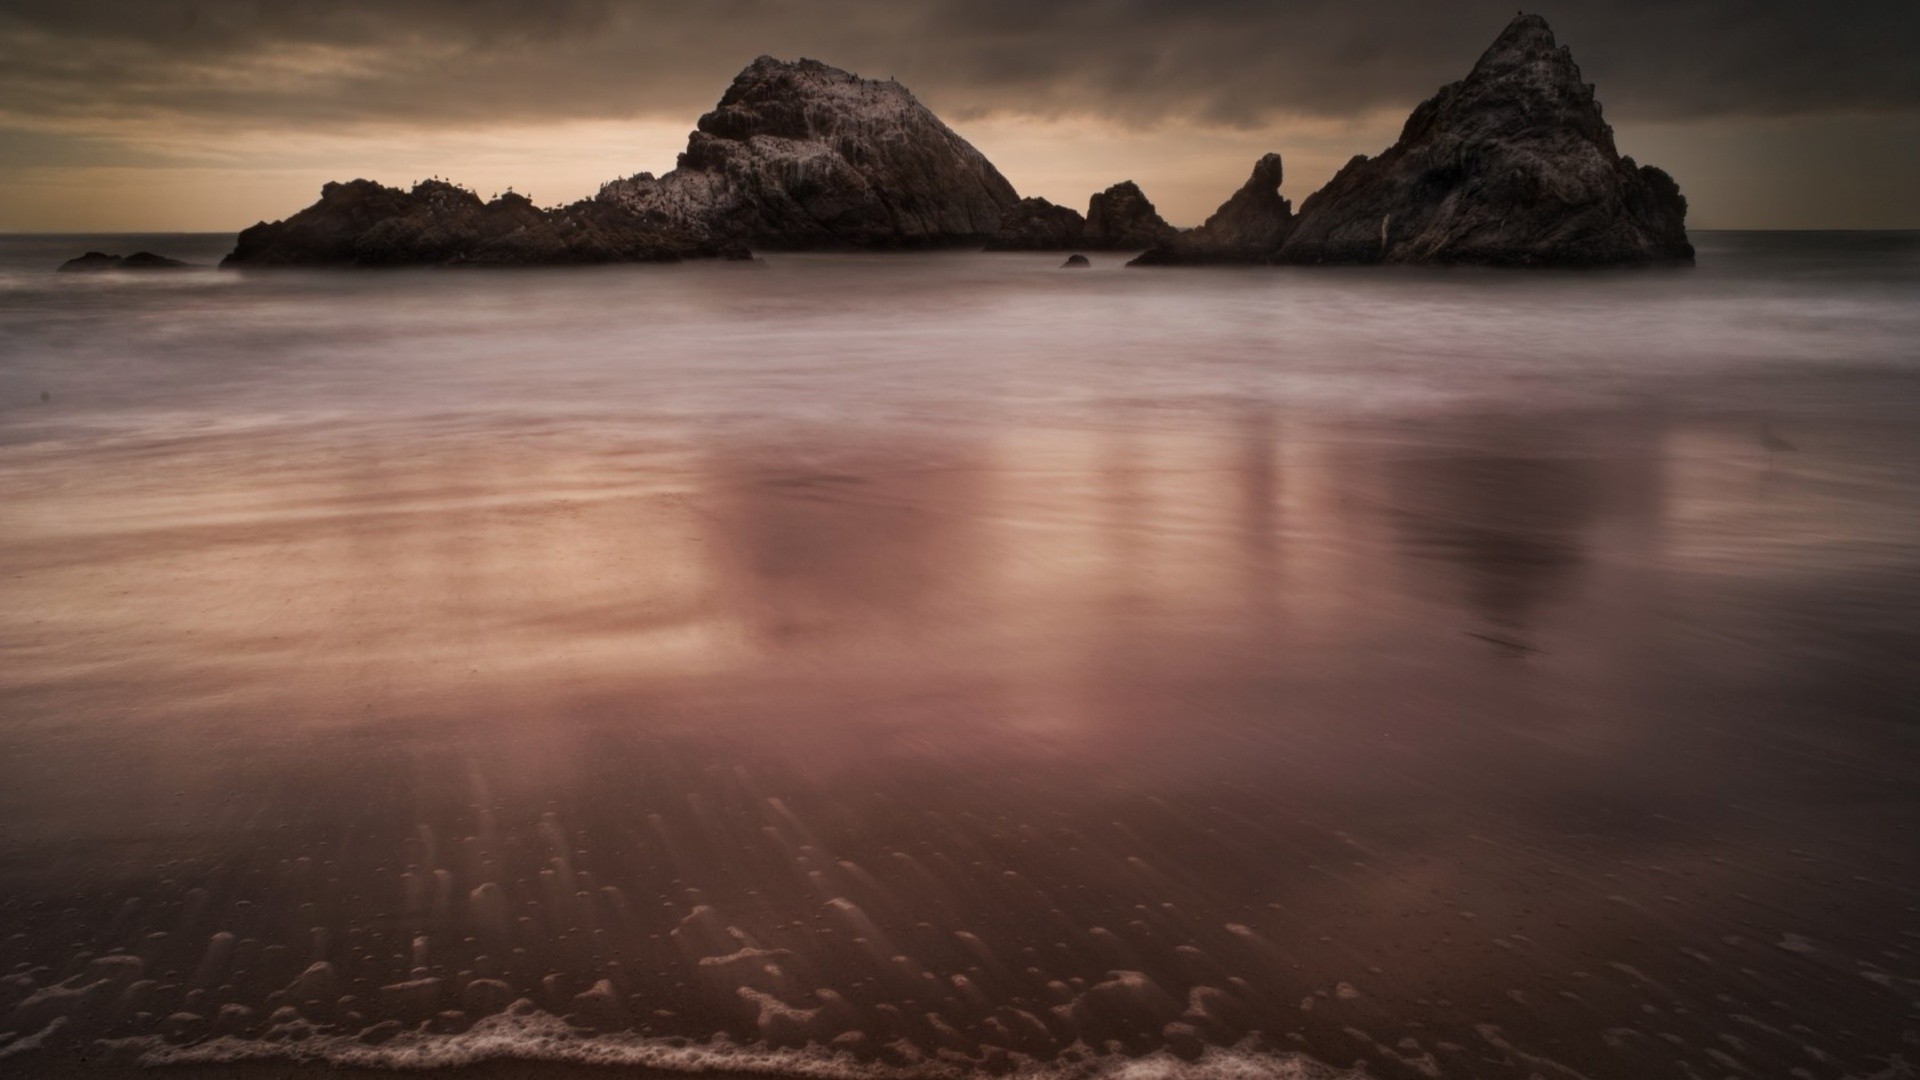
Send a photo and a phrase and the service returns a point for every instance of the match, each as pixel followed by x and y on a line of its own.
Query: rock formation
pixel 1122 219
pixel 1076 262
pixel 1248 228
pixel 362 223
pixel 1038 225
pixel 1511 166
pixel 95 261
pixel 802 155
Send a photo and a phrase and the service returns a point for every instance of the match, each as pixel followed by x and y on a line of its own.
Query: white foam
pixel 527 1034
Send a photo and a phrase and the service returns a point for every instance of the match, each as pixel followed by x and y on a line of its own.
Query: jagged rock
pixel 802 155
pixel 1122 219
pixel 1257 217
pixel 362 223
pixel 1513 165
pixel 1076 262
pixel 1118 219
pixel 1037 225
pixel 1248 228
pixel 94 261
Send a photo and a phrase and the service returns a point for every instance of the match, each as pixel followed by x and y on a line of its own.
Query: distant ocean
pixel 949 664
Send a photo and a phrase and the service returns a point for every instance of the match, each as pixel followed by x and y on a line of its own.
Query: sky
pixel 189 115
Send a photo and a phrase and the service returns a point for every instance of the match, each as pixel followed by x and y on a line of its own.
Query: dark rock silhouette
pixel 94 261
pixel 802 155
pixel 1076 262
pixel 362 223
pixel 1038 225
pixel 1511 166
pixel 1122 219
pixel 1248 228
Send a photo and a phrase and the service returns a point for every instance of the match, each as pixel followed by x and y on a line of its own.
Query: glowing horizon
pixel 189 117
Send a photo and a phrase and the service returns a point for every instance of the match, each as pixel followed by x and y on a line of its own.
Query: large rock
pixel 362 223
pixel 1511 166
pixel 1122 219
pixel 1248 228
pixel 802 155
pixel 1038 225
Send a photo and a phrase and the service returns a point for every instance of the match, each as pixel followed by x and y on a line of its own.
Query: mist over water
pixel 949 663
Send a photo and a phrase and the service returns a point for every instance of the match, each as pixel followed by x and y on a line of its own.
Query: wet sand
pixel 1212 733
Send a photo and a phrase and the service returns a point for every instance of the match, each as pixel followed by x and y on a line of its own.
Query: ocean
pixel 948 664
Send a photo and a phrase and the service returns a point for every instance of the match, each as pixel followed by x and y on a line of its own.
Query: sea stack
pixel 802 155
pixel 1511 166
pixel 1121 218
pixel 1248 228
pixel 98 261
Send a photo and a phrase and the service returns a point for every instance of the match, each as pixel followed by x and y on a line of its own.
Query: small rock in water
pixel 1076 262
pixel 94 261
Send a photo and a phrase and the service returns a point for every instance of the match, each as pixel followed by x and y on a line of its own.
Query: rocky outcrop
pixel 1038 225
pixel 1248 228
pixel 362 223
pixel 1076 262
pixel 1511 166
pixel 1122 219
pixel 802 155
pixel 95 261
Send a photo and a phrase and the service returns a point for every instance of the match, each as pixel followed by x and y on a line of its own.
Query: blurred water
pixel 948 661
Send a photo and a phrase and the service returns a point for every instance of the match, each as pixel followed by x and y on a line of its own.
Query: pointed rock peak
pixel 1248 228
pixel 1525 81
pixel 1267 174
pixel 1526 43
pixel 1526 33
pixel 1513 165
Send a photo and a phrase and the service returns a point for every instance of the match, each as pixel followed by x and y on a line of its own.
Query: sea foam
pixel 525 1033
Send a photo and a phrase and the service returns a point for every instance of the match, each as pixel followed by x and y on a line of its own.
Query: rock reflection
pixel 955 749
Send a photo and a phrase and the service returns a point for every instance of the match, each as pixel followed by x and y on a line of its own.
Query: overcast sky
pixel 211 114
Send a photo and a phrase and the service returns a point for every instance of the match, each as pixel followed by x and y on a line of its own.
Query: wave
pixel 525 1033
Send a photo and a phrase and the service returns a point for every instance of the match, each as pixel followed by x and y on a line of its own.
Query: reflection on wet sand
pixel 939 749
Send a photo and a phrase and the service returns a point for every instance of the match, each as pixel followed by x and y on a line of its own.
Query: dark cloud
pixel 1229 62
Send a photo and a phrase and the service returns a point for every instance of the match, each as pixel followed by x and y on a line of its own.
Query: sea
pixel 948 664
